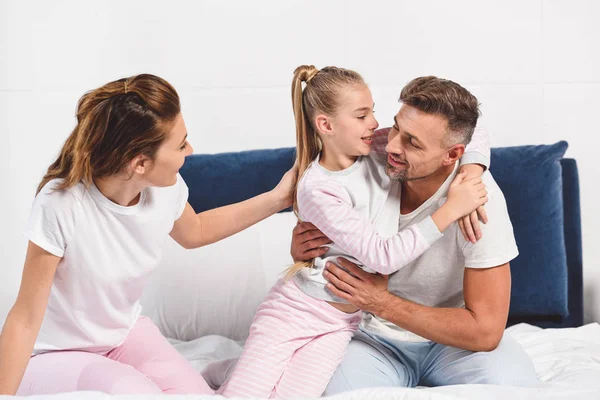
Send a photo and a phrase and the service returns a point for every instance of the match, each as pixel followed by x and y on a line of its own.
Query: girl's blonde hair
pixel 115 123
pixel 321 95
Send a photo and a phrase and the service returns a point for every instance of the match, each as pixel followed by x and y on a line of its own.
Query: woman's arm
pixel 193 230
pixel 25 318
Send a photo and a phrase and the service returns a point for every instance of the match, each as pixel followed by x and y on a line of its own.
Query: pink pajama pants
pixel 145 363
pixel 296 343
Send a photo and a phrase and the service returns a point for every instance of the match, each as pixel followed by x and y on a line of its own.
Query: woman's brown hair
pixel 115 123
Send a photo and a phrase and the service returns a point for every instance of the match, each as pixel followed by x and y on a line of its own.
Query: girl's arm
pixel 25 318
pixel 474 163
pixel 193 230
pixel 329 207
pixel 478 150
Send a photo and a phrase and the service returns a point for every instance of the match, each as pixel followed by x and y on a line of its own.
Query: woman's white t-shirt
pixel 108 252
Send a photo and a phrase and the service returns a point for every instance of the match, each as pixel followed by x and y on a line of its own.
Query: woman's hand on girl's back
pixel 285 187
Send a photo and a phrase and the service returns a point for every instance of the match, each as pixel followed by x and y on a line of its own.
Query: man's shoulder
pixel 497 245
pixel 496 201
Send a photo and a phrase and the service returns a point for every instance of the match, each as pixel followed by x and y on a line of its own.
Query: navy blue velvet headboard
pixel 547 282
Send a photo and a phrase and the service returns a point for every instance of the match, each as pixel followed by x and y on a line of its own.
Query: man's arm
pixel 477 327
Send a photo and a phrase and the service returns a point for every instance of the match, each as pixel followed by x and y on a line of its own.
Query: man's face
pixel 415 145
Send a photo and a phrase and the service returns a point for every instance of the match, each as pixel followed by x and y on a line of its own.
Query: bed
pixel 204 299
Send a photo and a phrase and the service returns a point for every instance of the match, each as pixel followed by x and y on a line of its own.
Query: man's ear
pixel 454 153
pixel 323 124
pixel 140 164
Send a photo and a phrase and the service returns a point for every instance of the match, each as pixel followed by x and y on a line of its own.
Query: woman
pixel 97 229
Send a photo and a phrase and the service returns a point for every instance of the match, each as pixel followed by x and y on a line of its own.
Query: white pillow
pixel 216 289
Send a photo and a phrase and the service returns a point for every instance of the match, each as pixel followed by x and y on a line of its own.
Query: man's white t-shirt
pixel 108 252
pixel 435 279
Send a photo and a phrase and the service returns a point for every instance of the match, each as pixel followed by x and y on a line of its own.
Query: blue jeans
pixel 376 361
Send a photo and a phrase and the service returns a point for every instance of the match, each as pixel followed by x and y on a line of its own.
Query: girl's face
pixel 351 129
pixel 170 156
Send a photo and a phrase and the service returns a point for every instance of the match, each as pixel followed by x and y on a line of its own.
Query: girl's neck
pixel 335 162
pixel 120 191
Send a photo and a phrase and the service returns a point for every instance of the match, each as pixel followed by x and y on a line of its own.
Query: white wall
pixel 534 65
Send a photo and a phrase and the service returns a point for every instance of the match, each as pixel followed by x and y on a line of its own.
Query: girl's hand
pixel 466 196
pixel 469 224
pixel 470 227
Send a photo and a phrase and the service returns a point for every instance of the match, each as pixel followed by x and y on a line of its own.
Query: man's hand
pixel 366 291
pixel 307 242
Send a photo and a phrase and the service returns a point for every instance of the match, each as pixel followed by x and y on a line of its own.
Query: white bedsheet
pixel 567 362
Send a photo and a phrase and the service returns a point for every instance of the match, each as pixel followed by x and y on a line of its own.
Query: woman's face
pixel 170 156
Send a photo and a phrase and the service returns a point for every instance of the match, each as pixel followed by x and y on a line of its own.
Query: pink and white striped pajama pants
pixel 296 343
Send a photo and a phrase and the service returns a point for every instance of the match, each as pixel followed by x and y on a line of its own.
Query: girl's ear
pixel 323 125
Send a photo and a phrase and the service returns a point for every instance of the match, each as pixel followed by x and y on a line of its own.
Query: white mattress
pixel 567 362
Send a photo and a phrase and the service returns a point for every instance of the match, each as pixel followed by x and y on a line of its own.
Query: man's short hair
pixel 443 97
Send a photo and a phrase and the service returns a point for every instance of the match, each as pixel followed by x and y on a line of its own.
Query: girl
pixel 97 229
pixel 301 330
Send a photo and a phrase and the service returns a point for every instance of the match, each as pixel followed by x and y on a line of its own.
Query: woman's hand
pixel 286 186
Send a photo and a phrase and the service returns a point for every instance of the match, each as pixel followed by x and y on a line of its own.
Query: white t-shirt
pixel 107 253
pixel 435 279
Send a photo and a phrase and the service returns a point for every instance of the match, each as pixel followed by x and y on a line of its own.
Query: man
pixel 440 319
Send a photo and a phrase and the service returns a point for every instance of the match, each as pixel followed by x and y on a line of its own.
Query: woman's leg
pixel 149 352
pixel 69 371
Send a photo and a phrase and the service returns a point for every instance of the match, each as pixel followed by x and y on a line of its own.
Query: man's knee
pixel 507 374
pixel 507 365
pixel 364 365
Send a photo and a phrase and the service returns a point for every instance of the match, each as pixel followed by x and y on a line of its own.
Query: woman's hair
pixel 321 95
pixel 115 123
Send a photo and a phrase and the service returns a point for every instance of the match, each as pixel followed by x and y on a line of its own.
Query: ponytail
pixel 308 145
